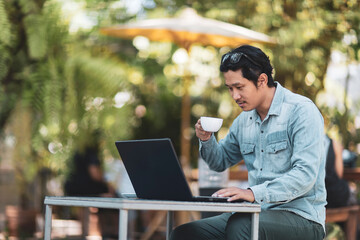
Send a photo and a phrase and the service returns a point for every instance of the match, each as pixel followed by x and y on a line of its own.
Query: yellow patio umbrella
pixel 187 29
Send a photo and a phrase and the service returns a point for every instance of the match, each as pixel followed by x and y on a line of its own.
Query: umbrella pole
pixel 185 127
pixel 182 217
pixel 186 118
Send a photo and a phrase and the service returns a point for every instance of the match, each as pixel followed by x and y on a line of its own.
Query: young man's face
pixel 242 90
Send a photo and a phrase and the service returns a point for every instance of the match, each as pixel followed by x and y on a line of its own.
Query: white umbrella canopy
pixel 187 29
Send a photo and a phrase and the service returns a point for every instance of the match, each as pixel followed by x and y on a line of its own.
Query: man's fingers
pixel 198 125
pixel 200 133
pixel 227 192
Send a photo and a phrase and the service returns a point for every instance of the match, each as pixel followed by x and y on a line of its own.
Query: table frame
pixel 124 204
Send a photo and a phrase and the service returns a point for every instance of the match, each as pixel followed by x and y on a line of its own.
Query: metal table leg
pixel 169 223
pixel 255 226
pixel 123 224
pixel 48 220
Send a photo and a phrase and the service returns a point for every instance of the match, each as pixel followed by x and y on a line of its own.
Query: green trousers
pixel 273 225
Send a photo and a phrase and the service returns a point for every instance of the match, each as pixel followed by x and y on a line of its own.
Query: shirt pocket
pixel 278 155
pixel 276 146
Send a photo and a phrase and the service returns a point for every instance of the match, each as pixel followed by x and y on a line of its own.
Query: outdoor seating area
pixel 100 100
pixel 88 224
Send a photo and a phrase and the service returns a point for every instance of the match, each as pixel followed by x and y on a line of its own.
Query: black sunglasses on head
pixel 236 57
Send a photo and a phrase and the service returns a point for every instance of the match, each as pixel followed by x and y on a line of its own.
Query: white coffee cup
pixel 211 124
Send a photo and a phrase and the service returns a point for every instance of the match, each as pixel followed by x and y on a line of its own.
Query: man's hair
pixel 252 63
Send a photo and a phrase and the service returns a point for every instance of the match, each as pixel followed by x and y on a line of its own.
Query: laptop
pixel 155 172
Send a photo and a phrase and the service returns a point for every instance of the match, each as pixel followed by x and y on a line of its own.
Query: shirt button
pixel 260 169
pixel 262 150
pixel 262 131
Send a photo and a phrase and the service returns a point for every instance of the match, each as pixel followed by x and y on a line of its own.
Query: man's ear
pixel 262 80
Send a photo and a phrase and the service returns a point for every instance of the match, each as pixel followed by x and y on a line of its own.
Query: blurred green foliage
pixel 55 89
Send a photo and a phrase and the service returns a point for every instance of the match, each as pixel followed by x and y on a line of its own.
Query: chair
pixel 348 215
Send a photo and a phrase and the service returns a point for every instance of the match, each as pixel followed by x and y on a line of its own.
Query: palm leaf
pixel 5 41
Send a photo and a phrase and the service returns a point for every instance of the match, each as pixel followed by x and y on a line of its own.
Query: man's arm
pixel 220 156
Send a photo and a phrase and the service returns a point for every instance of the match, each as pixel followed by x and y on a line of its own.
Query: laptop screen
pixel 154 169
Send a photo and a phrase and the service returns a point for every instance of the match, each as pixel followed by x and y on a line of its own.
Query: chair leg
pixel 155 223
pixel 85 214
pixel 351 225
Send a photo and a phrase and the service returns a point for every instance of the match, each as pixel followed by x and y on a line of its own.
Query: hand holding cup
pixel 205 126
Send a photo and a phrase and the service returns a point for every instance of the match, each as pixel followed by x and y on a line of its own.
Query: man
pixel 279 135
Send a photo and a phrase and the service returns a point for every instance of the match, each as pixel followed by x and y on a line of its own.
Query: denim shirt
pixel 283 154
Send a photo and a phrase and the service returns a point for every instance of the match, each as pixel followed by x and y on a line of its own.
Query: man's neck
pixel 263 109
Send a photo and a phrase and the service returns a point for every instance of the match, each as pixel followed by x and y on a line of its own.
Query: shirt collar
pixel 275 107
